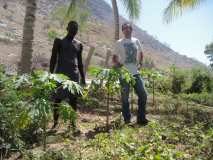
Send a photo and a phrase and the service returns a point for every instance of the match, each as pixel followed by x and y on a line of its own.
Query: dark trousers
pixel 72 102
pixel 61 94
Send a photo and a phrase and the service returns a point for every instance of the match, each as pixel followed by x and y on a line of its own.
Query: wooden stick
pixel 107 117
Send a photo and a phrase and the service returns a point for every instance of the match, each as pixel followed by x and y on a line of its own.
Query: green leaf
pixel 67 112
pixel 58 77
pixel 158 157
pixel 73 87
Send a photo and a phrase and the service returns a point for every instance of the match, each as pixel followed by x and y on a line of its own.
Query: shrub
pixel 201 81
pixel 25 106
pixel 178 80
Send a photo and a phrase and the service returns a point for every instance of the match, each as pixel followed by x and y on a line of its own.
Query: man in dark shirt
pixel 67 59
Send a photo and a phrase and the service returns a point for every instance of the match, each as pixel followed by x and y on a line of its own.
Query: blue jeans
pixel 142 98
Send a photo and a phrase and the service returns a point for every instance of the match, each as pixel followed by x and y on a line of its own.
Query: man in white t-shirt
pixel 128 53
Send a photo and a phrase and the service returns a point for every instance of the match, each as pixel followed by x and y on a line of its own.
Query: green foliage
pixel 200 98
pixel 162 139
pixel 67 112
pixel 50 155
pixel 202 81
pixel 209 53
pixel 196 83
pixel 132 8
pixel 112 76
pixel 178 80
pixel 25 105
pixel 156 79
pixel 73 87
pixel 172 105
pixel 78 13
pixel 25 109
pixel 177 7
pixel 53 33
pixel 148 63
pixel 167 141
pixel 93 70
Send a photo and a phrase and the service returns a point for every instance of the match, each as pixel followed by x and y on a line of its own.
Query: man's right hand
pixel 115 61
pixel 140 65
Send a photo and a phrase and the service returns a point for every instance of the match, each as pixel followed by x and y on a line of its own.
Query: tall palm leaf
pixel 132 8
pixel 177 7
pixel 73 5
pixel 209 53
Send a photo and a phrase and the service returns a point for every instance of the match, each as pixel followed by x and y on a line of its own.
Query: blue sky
pixel 187 34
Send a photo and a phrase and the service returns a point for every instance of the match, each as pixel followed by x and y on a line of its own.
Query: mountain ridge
pixel 99 35
pixel 151 45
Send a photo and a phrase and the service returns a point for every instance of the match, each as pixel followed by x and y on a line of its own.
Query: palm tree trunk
pixel 28 31
pixel 116 18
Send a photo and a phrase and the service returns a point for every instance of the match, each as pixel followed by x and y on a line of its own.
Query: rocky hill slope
pixel 162 55
pixel 99 34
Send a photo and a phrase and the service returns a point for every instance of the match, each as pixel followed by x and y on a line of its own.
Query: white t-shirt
pixel 128 51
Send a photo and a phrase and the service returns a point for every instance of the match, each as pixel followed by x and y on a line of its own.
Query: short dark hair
pixel 73 25
pixel 124 24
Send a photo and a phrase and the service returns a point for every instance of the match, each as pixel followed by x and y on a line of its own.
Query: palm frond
pixel 133 8
pixel 73 5
pixel 209 53
pixel 73 87
pixel 177 7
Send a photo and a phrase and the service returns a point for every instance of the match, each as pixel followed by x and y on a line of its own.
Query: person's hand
pixel 83 82
pixel 115 62
pixel 140 65
pixel 118 65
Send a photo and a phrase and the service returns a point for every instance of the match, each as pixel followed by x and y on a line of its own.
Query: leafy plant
pixel 53 33
pixel 209 53
pixel 24 102
pixel 178 80
pixel 160 79
pixel 200 98
pixel 50 155
pixel 202 81
pixel 109 80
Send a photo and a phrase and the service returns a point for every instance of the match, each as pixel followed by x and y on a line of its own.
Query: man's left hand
pixel 83 82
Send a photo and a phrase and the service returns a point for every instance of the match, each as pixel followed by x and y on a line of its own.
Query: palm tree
pixel 132 8
pixel 28 34
pixel 28 30
pixel 177 7
pixel 116 19
pixel 209 53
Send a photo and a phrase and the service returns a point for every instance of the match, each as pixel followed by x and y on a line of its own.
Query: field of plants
pixel 180 110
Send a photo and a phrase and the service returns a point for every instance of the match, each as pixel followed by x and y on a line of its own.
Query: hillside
pixel 162 55
pixel 99 34
pixel 178 109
